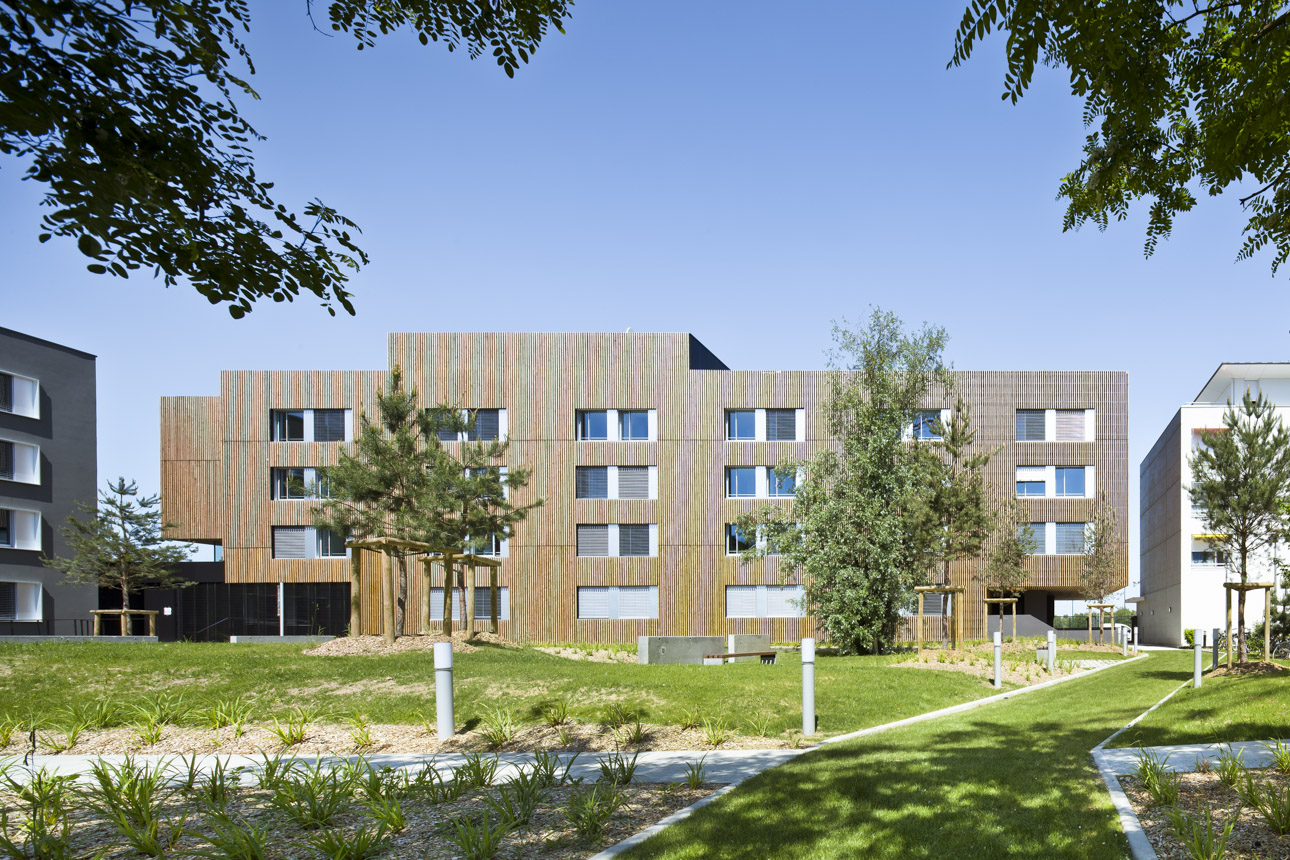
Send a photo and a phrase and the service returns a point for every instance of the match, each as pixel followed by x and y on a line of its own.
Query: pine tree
pixel 1241 475
pixel 119 544
pixel 849 534
pixel 1005 568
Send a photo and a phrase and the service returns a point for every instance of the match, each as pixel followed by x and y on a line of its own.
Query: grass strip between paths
pixel 1011 779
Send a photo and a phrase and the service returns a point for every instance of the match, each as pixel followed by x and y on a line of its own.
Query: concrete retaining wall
pixel 687 650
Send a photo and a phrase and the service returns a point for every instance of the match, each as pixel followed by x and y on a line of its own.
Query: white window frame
pixel 24 529
pixel 313 543
pixel 310 478
pixel 26 462
pixel 28 601
pixel 613 613
pixel 761 598
pixel 26 396
pixel 308 429
pixel 503 603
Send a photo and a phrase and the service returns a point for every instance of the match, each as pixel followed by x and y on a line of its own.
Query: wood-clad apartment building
pixel 645 447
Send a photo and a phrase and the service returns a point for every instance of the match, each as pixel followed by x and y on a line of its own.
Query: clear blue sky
pixel 746 172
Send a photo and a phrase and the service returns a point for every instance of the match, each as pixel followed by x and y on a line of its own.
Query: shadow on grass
pixel 1013 779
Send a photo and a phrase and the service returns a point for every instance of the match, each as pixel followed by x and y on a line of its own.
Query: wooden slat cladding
pixel 542 380
pixel 191 475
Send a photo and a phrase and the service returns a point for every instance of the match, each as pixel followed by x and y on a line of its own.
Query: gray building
pixel 48 463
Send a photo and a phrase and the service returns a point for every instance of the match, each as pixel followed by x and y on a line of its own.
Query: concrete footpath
pixel 1184 758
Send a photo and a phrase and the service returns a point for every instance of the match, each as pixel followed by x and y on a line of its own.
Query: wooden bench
pixel 767 657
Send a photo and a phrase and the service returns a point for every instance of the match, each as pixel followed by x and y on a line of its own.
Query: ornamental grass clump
pixel 1200 838
pixel 589 811
pixel 1230 767
pixel 500 728
pixel 616 769
pixel 45 825
pixel 1161 784
pixel 477 838
pixel 361 844
pixel 237 839
pixel 1272 805
pixel 477 771
pixel 312 797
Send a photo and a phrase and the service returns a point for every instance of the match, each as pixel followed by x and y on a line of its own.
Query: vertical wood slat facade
pixel 217 457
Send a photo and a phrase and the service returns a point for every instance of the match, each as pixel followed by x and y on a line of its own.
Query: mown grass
pixel 1227 708
pixel 42 680
pixel 1010 779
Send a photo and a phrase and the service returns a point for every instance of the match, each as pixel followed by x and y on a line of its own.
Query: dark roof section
pixel 702 358
pixel 39 341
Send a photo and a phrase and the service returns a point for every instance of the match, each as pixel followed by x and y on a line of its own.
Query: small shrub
pixel 294 731
pixel 545 768
pixel 556 714
pixel 499 728
pixel 477 771
pixel 1200 838
pixel 518 799
pixel 694 773
pixel 1280 756
pixel 386 811
pixel 361 844
pixel 690 719
pixel 1230 767
pixel 759 725
pixel 224 713
pixel 164 709
pixel 1204 765
pixel 616 769
pixel 430 784
pixel 216 789
pixel 148 731
pixel 61 743
pixel 275 771
pixel 312 797
pixel 589 811
pixel 618 715
pixel 1272 805
pixel 564 738
pixel 477 838
pixel 1189 634
pixel 98 714
pixel 361 733
pixel 124 791
pixel 237 839
pixel 715 733
pixel 8 726
pixel 1159 782
pixel 633 734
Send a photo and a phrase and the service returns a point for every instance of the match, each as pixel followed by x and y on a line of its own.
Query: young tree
pixel 119 544
pixel 956 517
pixel 385 487
pixel 1101 567
pixel 848 535
pixel 125 112
pixel 1241 475
pixel 1184 96
pixel 1005 567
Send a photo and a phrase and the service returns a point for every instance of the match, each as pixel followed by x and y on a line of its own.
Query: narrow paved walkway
pixel 1183 758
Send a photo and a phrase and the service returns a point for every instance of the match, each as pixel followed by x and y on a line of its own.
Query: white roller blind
pixel 593 602
pixel 593 540
pixel 633 482
pixel 1031 473
pixel 1070 425
pixel 741 601
pixel 481 603
pixel 290 542
pixel 783 601
pixel 637 601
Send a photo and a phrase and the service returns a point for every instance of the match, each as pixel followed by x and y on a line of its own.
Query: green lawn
pixel 1229 708
pixel 1010 779
pixel 853 692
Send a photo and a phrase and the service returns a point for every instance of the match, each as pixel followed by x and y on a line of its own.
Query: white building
pixel 1182 575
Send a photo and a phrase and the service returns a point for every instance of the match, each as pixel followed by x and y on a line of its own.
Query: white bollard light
pixel 1135 640
pixel 1052 650
pixel 808 686
pixel 443 690
pixel 998 659
pixel 1195 672
pixel 1124 651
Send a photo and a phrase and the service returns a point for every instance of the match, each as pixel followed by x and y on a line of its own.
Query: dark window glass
pixel 6 392
pixel 289 484
pixel 8 601
pixel 781 485
pixel 925 424
pixel 593 426
pixel 633 539
pixel 6 460
pixel 330 544
pixel 6 528
pixel 741 425
pixel 493 547
pixel 1030 425
pixel 1070 482
pixel 736 541
pixel 329 425
pixel 592 482
pixel 781 425
pixel 741 481
pixel 287 425
pixel 633 426
pixel 486 427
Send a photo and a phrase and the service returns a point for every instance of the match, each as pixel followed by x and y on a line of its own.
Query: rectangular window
pixel 741 601
pixel 6 392
pixel 592 482
pixel 6 460
pixel 784 601
pixel 19 462
pixel 1030 425
pixel 1031 481
pixel 781 425
pixel 1038 533
pixel 287 425
pixel 19 395
pixel 1070 538
pixel 633 539
pixel 331 544
pixel 618 601
pixel 6 528
pixel 633 482
pixel 329 425
pixel 593 540
pixel 764 601
pixel 289 484
pixel 1208 557
pixel 781 485
pixel 482 603
pixel 486 427
pixel 925 424
pixel 741 482
pixel 736 540
pixel 8 601
pixel 741 425
pixel 291 541
pixel 633 426
pixel 593 426
pixel 1070 481
pixel 1070 425
pixel 492 548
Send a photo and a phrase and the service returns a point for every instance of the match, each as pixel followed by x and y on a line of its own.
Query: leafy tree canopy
pixel 1182 96
pixel 1005 568
pixel 126 112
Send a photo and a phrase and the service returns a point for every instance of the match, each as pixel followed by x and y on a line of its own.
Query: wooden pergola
pixel 1101 620
pixel 388 547
pixel 1001 601
pixel 923 590
pixel 1229 587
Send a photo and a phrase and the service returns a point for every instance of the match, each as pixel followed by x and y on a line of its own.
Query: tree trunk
pixel 447 595
pixel 470 603
pixel 945 618
pixel 461 596
pixel 387 595
pixel 427 574
pixel 494 599
pixel 401 596
pixel 1243 655
pixel 355 591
